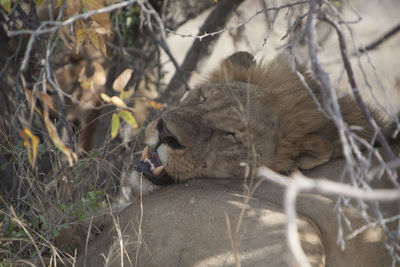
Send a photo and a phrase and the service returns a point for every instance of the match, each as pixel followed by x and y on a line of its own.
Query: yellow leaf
pixel 128 117
pixel 156 105
pixel 31 143
pixel 120 83
pixel 6 4
pixel 55 138
pixel 59 3
pixel 105 97
pixel 114 125
pixel 38 2
pixel 118 102
pixel 80 35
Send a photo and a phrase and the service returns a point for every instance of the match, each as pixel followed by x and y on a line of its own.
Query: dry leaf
pixel 120 83
pixel 73 7
pixel 103 19
pixel 48 102
pixel 118 102
pixel 156 105
pixel 105 97
pixel 102 44
pixel 99 76
pixel 55 138
pixel 30 98
pixel 31 143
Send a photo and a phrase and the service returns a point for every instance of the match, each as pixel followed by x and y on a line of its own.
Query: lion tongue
pixel 153 161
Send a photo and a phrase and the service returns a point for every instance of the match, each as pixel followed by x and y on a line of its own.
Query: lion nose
pixel 166 136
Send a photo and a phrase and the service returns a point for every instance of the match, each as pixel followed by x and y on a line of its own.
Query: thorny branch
pixel 201 35
pixel 217 19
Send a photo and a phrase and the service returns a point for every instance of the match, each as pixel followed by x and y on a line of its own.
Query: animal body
pixel 244 114
pixel 247 114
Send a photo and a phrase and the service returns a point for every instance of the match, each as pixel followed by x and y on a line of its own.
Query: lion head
pixel 244 115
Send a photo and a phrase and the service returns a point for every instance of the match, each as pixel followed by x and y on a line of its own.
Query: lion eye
pixel 232 136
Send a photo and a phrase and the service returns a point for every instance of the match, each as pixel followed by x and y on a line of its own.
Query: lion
pixel 242 116
pixel 245 114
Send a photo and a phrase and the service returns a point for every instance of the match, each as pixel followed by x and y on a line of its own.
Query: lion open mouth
pixel 151 166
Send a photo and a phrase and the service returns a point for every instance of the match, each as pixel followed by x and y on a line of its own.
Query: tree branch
pixel 380 40
pixel 299 183
pixel 215 21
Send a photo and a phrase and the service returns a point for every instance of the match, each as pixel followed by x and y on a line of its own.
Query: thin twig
pixel 380 40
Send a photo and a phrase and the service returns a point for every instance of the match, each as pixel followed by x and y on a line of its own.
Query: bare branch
pixel 299 183
pixel 346 61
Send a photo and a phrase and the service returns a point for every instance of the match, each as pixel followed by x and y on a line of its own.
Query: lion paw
pixel 134 186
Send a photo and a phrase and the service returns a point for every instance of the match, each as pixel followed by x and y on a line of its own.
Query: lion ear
pixel 314 151
pixel 240 59
pixel 233 68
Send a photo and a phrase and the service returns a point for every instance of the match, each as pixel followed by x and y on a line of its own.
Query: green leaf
pixel 6 4
pixel 126 94
pixel 93 154
pixel 91 195
pixel 56 233
pixel 60 207
pixel 94 38
pixel 114 125
pixel 128 117
pixel 81 216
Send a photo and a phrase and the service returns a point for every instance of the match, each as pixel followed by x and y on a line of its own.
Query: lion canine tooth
pixel 145 153
pixel 157 171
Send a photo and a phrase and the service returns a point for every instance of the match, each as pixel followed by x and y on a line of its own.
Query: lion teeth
pixel 157 171
pixel 145 153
